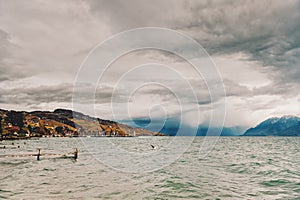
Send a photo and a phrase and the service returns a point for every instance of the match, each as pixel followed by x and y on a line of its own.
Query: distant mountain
pixel 202 131
pixel 61 123
pixel 283 126
pixel 171 127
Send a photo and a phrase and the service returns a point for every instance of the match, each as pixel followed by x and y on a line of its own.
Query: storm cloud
pixel 255 45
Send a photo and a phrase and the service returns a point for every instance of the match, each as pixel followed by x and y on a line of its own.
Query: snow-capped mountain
pixel 277 126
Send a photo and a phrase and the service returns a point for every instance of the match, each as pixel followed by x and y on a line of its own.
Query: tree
pixel 16 118
pixel 60 130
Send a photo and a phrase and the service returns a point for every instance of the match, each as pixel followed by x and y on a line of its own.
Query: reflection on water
pixel 237 168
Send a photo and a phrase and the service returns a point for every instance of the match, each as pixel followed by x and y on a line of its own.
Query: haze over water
pixel 237 168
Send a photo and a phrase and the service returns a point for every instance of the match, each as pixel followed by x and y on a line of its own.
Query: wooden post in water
pixel 75 153
pixel 39 154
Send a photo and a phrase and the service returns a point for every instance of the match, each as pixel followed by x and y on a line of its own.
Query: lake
pixel 130 168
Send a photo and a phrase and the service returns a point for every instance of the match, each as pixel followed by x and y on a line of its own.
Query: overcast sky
pixel 254 44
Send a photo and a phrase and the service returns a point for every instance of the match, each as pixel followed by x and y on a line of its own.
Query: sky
pixel 254 45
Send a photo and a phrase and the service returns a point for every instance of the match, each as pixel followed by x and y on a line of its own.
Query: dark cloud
pixel 267 31
pixel 55 37
pixel 62 93
pixel 36 95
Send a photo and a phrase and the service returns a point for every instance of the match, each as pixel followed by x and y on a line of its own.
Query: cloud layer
pixel 255 44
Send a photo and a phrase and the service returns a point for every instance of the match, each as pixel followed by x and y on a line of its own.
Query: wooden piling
pixel 75 154
pixel 39 154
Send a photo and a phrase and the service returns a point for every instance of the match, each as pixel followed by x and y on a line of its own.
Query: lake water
pixel 236 168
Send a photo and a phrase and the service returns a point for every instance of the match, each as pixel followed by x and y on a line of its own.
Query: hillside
pixel 283 126
pixel 61 123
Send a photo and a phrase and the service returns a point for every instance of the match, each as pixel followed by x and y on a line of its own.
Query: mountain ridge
pixel 287 125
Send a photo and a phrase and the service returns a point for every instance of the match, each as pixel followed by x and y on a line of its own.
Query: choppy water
pixel 237 168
